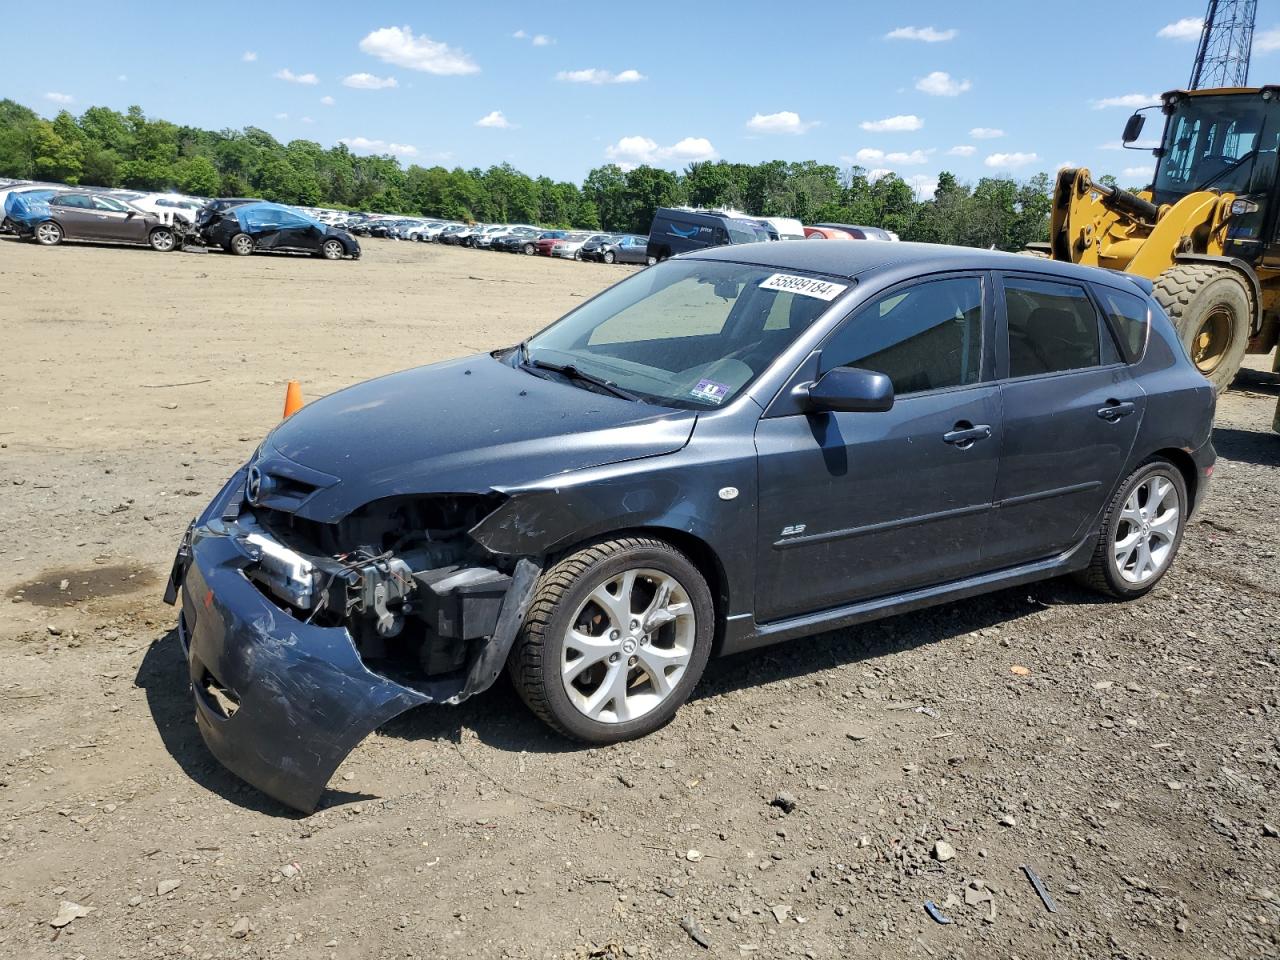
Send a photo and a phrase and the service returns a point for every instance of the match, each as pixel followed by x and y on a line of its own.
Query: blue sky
pixel 558 88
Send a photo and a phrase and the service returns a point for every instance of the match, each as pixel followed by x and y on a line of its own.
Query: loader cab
pixel 1226 140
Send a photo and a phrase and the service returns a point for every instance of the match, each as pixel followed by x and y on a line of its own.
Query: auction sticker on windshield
pixel 710 391
pixel 805 286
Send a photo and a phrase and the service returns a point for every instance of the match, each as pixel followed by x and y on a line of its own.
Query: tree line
pixel 106 148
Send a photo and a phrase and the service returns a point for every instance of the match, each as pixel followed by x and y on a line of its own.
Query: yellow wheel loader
pixel 1207 230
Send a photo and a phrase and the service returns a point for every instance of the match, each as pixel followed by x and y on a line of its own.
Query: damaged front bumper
pixel 279 701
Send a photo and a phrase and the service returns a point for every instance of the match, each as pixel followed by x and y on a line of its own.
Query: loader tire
pixel 1212 308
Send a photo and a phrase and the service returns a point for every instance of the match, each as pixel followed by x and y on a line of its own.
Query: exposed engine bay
pixel 401 575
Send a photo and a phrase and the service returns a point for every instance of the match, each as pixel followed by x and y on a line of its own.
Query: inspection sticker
pixel 805 286
pixel 710 391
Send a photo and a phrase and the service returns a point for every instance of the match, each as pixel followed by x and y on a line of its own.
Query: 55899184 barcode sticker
pixel 805 286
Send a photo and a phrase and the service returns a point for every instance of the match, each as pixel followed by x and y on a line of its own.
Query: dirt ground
pixel 1134 766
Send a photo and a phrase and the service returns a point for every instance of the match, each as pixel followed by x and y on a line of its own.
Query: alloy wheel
pixel 628 646
pixel 48 234
pixel 332 250
pixel 162 240
pixel 1148 528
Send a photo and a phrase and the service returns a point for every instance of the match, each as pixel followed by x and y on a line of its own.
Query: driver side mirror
pixel 850 390
pixel 1133 128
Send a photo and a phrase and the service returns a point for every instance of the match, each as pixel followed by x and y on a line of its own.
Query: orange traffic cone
pixel 292 399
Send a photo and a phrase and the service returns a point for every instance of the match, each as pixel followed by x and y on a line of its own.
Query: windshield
pixel 1225 143
pixel 687 333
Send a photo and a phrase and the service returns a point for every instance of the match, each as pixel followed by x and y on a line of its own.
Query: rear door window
pixel 73 200
pixel 1130 317
pixel 1052 326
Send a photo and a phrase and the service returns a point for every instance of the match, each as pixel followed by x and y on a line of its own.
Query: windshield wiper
pixel 569 371
pixel 1224 171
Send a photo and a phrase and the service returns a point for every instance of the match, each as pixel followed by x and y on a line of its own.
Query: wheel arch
pixel 1186 466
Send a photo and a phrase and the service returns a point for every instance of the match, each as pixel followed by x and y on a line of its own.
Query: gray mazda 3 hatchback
pixel 726 450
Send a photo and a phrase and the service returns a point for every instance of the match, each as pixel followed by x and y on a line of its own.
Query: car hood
pixel 472 425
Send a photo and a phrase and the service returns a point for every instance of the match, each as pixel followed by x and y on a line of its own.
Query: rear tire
pixel 1212 308
pixel 1141 532
pixel 162 239
pixel 48 234
pixel 241 245
pixel 529 250
pixel 611 696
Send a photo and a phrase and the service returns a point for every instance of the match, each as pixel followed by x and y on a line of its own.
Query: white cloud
pixel 1267 41
pixel 600 76
pixel 248 56
pixel 495 120
pixel 542 40
pixel 519 35
pixel 1188 28
pixel 328 101
pixel 1126 100
pixel 1067 165
pixel 59 97
pixel 986 133
pixel 963 150
pixel 123 77
pixel 899 124
pixel 282 116
pixel 878 174
pixel 869 155
pixel 1138 173
pixel 923 185
pixel 307 120
pixel 398 45
pixel 924 34
pixel 785 121
pixel 1136 145
pixel 630 152
pixel 365 145
pixel 1010 161
pixel 368 81
pixel 942 84
pixel 284 73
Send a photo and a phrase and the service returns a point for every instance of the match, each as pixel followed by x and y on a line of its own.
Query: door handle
pixel 964 434
pixel 1116 409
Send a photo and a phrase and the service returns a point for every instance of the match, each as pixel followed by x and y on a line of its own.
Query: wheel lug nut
pixel 631 662
pixel 613 658
pixel 614 634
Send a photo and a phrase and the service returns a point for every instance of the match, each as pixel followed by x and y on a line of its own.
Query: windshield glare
pixel 685 333
pixel 1223 142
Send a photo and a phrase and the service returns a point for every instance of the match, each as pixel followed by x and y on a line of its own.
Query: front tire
pixel 162 239
pixel 609 256
pixel 1211 307
pixel 1141 532
pixel 615 640
pixel 241 245
pixel 332 250
pixel 48 234
pixel 529 250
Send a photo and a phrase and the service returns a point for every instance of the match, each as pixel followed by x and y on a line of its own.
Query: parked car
pixel 525 242
pixel 487 237
pixel 727 450
pixel 25 205
pixel 175 205
pixel 455 234
pixel 846 231
pixel 784 228
pixel 247 228
pixel 676 231
pixel 625 249
pixel 569 247
pixel 82 215
pixel 592 249
pixel 548 239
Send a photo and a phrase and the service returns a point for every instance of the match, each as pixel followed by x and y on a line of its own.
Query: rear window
pixel 1052 327
pixel 1130 317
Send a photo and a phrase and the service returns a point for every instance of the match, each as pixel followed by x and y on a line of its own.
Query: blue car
pixel 730 449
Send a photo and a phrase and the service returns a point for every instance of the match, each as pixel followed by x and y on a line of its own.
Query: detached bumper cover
pixel 304 697
pixel 279 702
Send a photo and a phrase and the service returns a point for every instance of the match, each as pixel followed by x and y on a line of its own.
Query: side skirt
pixel 743 633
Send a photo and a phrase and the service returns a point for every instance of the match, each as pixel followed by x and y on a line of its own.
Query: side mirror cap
pixel 850 390
pixel 1133 128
